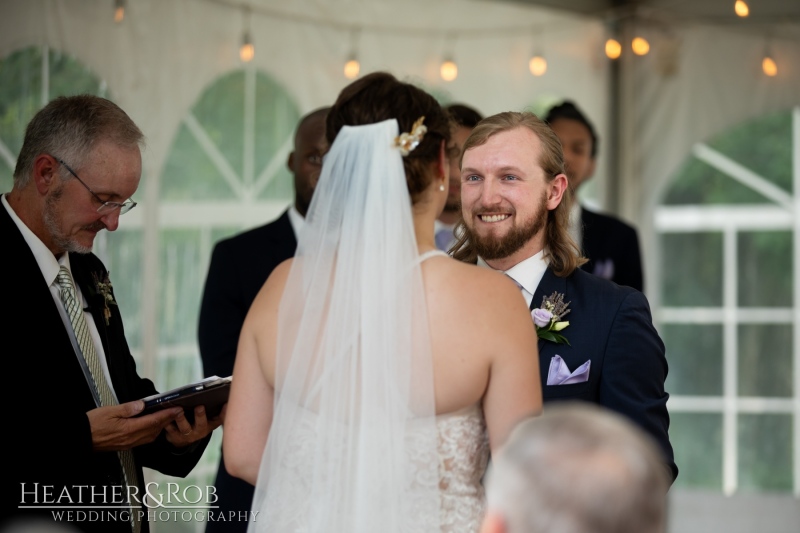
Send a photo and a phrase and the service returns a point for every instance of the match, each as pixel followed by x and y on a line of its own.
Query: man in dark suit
pixel 610 245
pixel 239 267
pixel 597 342
pixel 74 434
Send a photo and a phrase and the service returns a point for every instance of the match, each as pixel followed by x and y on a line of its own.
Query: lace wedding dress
pixel 463 456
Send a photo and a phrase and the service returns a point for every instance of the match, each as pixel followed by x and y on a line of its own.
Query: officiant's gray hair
pixel 69 127
pixel 579 468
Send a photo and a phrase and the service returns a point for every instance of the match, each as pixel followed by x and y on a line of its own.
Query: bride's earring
pixel 441 187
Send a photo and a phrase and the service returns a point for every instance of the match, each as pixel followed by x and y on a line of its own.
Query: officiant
pixel 74 434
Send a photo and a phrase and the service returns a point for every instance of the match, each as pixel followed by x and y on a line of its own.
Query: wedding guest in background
pixel 610 245
pixel 464 119
pixel 577 469
pixel 78 425
pixel 239 267
pixel 597 342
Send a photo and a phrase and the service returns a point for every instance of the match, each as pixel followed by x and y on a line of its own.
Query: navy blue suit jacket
pixel 52 442
pixel 610 326
pixel 239 267
pixel 612 248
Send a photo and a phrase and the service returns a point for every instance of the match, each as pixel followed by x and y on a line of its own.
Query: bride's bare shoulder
pixel 482 291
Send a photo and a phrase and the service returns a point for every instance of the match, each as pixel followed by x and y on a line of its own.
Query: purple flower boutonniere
pixel 549 318
pixel 104 288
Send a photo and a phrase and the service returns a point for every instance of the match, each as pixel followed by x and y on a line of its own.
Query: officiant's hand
pixel 182 433
pixel 114 428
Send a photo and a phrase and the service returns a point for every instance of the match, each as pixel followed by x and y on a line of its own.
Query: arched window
pixel 29 78
pixel 729 226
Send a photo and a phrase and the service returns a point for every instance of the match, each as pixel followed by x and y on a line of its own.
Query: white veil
pixel 353 442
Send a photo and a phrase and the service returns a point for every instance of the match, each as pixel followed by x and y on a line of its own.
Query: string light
pixel 537 65
pixel 741 8
pixel 613 49
pixel 119 10
pixel 640 46
pixel 449 70
pixel 352 67
pixel 769 66
pixel 247 51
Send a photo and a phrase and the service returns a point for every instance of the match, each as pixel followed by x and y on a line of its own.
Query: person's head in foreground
pixel 380 96
pixel 514 195
pixel 78 168
pixel 578 468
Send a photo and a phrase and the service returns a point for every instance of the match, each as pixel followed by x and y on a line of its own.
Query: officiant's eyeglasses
pixel 105 207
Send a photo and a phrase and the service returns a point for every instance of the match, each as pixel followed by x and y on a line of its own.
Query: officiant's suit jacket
pixel 47 434
pixel 612 247
pixel 239 267
pixel 610 326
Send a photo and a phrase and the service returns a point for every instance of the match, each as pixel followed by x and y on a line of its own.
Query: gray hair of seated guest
pixel 579 468
pixel 69 127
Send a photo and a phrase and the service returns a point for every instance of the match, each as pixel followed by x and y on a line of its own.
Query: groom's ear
pixel 555 191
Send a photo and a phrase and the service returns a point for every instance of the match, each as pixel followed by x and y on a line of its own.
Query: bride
pixel 374 373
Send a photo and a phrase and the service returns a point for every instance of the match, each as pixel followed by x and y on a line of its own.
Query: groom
pixel 516 204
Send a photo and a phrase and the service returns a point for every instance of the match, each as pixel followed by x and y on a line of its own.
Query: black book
pixel 212 392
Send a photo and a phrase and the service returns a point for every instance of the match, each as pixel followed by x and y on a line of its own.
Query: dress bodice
pixel 463 457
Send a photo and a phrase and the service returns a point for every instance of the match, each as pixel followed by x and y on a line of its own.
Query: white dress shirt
pixel 297 221
pixel 49 266
pixel 527 273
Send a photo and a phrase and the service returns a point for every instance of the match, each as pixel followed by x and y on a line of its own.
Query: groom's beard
pixel 490 247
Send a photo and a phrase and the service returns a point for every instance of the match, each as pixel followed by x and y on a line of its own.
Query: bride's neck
pixel 424 214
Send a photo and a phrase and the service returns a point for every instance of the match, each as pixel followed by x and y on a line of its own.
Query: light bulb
pixel 537 65
pixel 769 66
pixel 119 11
pixel 613 49
pixel 352 68
pixel 247 51
pixel 640 46
pixel 741 8
pixel 449 70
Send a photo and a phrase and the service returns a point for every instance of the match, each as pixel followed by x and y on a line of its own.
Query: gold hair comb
pixel 406 142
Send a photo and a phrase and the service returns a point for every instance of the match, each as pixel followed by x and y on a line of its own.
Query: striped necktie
pixel 84 338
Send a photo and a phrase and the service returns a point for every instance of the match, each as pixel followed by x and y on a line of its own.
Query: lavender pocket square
pixel 559 373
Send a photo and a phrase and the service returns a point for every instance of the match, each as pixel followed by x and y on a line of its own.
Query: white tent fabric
pixel 163 57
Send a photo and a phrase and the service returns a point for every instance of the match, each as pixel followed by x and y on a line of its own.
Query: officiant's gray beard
pixel 489 248
pixel 62 241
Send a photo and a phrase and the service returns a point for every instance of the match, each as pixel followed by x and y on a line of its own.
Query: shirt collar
pixel 527 273
pixel 297 221
pixel 48 264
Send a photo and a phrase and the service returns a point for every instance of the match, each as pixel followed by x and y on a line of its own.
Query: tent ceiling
pixel 707 11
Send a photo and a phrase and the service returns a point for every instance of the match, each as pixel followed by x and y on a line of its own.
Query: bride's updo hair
pixel 380 96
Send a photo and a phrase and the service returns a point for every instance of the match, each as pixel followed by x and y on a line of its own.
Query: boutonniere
pixel 104 288
pixel 548 318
